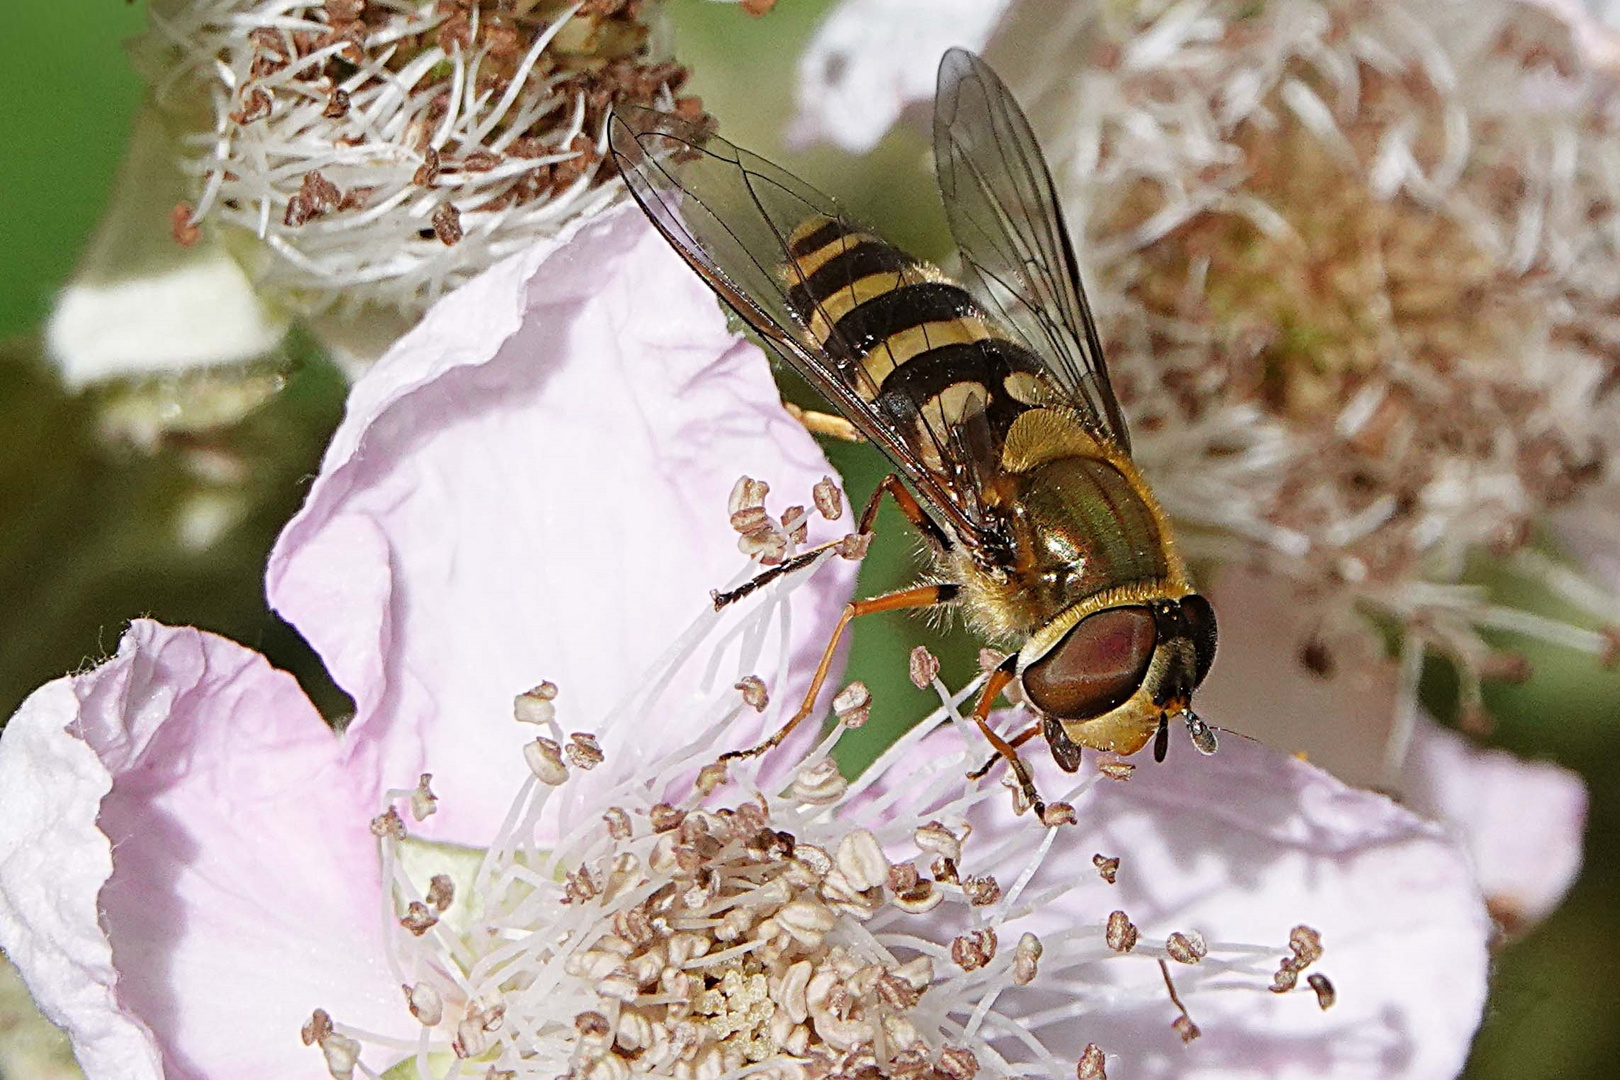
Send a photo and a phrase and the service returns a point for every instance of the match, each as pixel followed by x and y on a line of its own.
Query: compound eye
pixel 1096 667
pixel 1201 621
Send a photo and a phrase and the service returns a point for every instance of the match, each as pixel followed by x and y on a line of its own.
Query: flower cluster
pixel 387 150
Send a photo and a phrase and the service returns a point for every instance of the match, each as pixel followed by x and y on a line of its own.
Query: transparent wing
pixel 731 214
pixel 1004 215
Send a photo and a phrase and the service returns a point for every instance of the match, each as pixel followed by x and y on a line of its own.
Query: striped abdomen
pixel 905 338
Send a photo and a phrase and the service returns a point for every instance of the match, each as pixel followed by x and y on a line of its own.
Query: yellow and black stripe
pixel 906 339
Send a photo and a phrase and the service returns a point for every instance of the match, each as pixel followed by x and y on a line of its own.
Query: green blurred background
pixel 87 533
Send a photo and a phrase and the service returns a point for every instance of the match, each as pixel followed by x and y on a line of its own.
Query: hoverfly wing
pixel 732 215
pixel 1005 218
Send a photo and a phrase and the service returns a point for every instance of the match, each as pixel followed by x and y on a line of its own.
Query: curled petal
pixel 532 486
pixel 186 871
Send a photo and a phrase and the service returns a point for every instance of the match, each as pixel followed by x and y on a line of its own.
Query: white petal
pixel 1521 821
pixel 186 871
pixel 1240 847
pixel 532 485
pixel 872 58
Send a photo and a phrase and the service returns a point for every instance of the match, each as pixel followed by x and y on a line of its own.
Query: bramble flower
pixel 384 151
pixel 1356 264
pixel 520 519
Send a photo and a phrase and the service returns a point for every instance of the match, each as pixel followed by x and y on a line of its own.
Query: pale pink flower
pixel 533 486
pixel 1356 265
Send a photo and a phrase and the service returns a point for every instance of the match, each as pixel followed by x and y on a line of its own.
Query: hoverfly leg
pixel 821 423
pixel 770 574
pixel 1203 736
pixel 909 506
pixel 1015 742
pixel 993 686
pixel 921 597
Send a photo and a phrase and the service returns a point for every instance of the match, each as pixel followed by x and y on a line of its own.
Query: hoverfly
pixel 989 395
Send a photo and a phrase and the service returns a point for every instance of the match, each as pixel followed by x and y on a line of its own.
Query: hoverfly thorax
pixel 988 392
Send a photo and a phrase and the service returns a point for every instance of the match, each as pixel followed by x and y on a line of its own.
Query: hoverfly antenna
pixel 1203 736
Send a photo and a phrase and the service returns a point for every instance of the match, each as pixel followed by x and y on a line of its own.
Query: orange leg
pixel 921 597
pixel 903 498
pixel 1015 742
pixel 828 424
pixel 993 686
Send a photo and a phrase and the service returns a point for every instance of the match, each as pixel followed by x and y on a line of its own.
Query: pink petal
pixel 870 59
pixel 1242 847
pixel 1521 821
pixel 1259 688
pixel 186 870
pixel 532 486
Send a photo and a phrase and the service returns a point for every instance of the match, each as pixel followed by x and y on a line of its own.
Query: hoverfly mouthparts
pixel 988 393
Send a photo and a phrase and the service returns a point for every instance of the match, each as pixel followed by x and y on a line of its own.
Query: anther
pixel 853 705
pixel 794 524
pixel 1185 948
pixel 711 777
pixel 423 802
pixel 1107 867
pixel 425 1004
pixel 389 825
pixel 958 1063
pixel 317 1027
pixel 1121 934
pixel 1026 959
pixel 418 918
pixel 1306 944
pixel 618 823
pixel 665 817
pixel 974 949
pixel 536 705
pixel 828 499
pixel 924 667
pixel 853 547
pixel 747 492
pixel 583 750
pixel 819 783
pixel 981 891
pixel 860 858
pixel 545 760
pixel 1325 994
pixel 936 839
pixel 753 692
pixel 1092 1064
pixel 1058 813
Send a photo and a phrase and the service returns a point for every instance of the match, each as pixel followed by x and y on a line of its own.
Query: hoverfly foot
pixel 1203 736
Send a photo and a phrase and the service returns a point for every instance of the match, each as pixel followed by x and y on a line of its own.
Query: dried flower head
pixel 387 150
